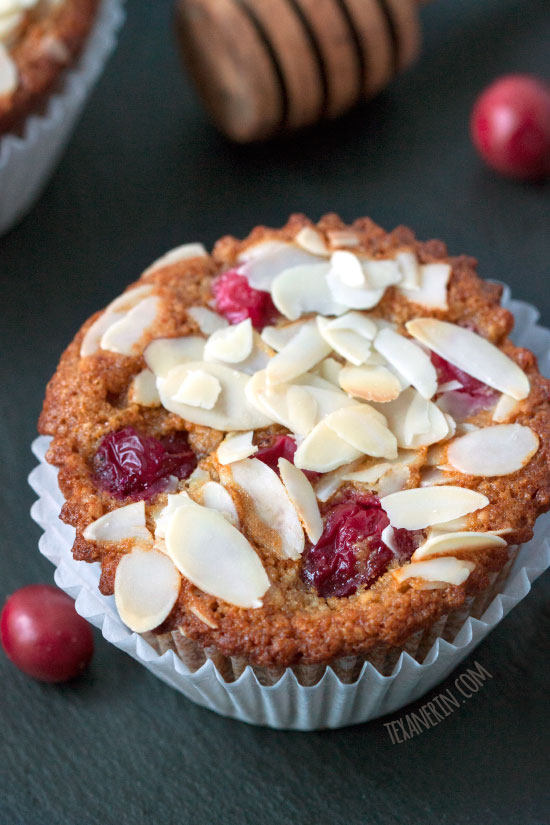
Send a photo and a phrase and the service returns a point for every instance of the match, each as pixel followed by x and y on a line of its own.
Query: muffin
pixel 310 447
pixel 38 40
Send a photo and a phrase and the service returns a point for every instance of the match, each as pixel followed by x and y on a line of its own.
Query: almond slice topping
pixel 301 353
pixel 302 409
pixel 473 354
pixel 278 337
pixel 143 390
pixel 123 523
pixel 506 407
pixel 445 544
pixel 214 496
pixel 264 261
pixel 346 267
pixel 381 273
pixel 126 332
pixel 312 241
pixel 206 320
pixel 409 268
pixel 304 289
pixel 9 76
pixel 198 389
pixel 302 496
pixel 432 289
pixel 414 421
pixel 409 359
pixel 448 570
pixel 114 312
pixel 146 588
pixel 271 503
pixel 493 451
pixel 350 297
pixel 235 447
pixel 180 253
pixel 231 344
pixel 216 557
pixel 345 342
pixel 163 354
pixel 232 411
pixel 370 383
pixel 173 503
pixel 421 507
pixel 365 429
pixel 323 450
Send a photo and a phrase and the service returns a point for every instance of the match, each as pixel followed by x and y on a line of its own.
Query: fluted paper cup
pixel 378 687
pixel 29 157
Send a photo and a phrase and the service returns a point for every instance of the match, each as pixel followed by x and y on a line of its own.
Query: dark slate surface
pixel 144 172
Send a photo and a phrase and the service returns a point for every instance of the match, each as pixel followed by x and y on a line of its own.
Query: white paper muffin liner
pixel 28 158
pixel 228 687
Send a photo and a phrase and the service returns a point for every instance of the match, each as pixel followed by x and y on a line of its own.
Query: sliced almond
pixel 232 411
pixel 312 241
pixel 304 289
pixel 323 450
pixel 362 427
pixel 143 390
pixel 130 298
pixel 448 570
pixel 493 451
pixel 342 237
pixel 329 369
pixel 370 474
pixel 301 353
pixel 370 383
pixel 505 409
pixel 123 523
pixel 173 503
pixel 432 290
pixel 231 344
pixel 302 409
pixel 473 354
pixel 271 503
pixel 260 356
pixel 263 262
pixel 147 585
pixel 122 336
pixel 411 361
pixel 329 482
pixel 278 337
pixel 235 447
pixel 445 544
pixel 409 268
pixel 421 507
pixel 163 354
pixel 350 297
pixel 198 389
pixel 95 332
pixel 345 342
pixel 303 498
pixel 414 421
pixel 394 480
pixel 214 496
pixel 180 253
pixel 216 557
pixel 207 320
pixel 381 273
pixel 9 76
pixel 346 267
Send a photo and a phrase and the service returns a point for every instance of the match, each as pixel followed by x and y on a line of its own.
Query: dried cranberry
pixel 350 551
pixel 282 446
pixel 130 465
pixel 237 300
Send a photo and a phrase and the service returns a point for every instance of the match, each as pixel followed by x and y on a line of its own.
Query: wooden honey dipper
pixel 266 66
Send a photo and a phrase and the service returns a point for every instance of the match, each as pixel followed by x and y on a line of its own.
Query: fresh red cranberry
pixel 130 465
pixel 43 635
pixel 350 551
pixel 479 392
pixel 510 126
pixel 237 300
pixel 282 446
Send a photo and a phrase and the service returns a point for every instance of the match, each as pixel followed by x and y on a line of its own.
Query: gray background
pixel 144 172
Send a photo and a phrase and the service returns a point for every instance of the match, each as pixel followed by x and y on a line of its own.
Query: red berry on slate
pixel 130 465
pixel 43 635
pixel 237 300
pixel 510 126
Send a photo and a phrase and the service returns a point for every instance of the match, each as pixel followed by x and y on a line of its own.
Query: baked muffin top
pixel 38 40
pixel 308 443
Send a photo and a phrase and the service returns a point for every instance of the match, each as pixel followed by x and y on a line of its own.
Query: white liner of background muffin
pixel 28 159
pixel 288 704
